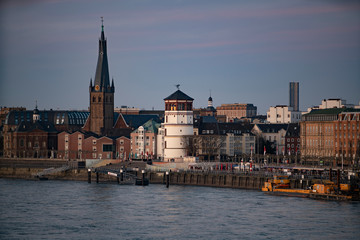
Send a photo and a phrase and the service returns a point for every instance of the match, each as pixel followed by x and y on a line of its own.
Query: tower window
pixel 94 99
pixel 99 99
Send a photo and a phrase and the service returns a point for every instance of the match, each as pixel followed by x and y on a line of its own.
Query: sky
pixel 242 51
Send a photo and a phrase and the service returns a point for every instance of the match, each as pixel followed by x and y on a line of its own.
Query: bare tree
pixel 210 145
pixel 191 144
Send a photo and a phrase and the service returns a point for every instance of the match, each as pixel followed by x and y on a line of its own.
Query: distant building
pixel 20 125
pixel 177 125
pixel 32 137
pixel 283 114
pixel 236 111
pixel 5 110
pixel 273 133
pixel 78 145
pixel 347 136
pixel 331 135
pixel 215 141
pixel 144 140
pixel 294 96
pixel 292 139
pixel 333 103
pixel 123 148
pixel 127 110
pixel 255 120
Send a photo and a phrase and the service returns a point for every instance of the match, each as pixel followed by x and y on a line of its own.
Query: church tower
pixel 101 92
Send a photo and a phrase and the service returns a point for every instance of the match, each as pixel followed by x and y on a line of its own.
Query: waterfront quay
pixel 220 176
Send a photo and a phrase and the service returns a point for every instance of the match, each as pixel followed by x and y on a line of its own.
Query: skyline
pixel 241 51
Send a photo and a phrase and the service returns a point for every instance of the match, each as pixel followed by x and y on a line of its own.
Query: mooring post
pixel 167 179
pixel 330 174
pixel 338 180
pixel 143 177
pixel 97 177
pixel 89 175
pixel 121 175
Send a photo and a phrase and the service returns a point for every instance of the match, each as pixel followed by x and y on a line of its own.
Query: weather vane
pixel 177 86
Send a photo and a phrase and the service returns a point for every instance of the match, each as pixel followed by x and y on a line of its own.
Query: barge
pixel 326 190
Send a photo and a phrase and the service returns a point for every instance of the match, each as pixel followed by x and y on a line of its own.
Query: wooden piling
pixel 89 175
pixel 167 179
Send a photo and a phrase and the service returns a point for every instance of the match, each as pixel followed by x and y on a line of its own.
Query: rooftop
pixel 178 95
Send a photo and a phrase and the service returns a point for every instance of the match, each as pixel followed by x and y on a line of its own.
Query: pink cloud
pixel 228 12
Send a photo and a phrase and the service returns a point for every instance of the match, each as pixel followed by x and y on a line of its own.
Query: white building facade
pixel 333 103
pixel 178 123
pixel 283 114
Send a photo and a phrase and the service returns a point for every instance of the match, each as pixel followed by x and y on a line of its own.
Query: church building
pixel 101 118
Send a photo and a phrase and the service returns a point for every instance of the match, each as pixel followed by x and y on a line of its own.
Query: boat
pixel 280 185
pixel 324 190
pixel 328 190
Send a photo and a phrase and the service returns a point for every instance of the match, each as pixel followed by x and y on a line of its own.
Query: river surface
pixel 78 210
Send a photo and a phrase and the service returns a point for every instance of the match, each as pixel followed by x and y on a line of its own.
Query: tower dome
pixel 36 114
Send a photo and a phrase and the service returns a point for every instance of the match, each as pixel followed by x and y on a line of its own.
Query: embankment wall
pixel 227 180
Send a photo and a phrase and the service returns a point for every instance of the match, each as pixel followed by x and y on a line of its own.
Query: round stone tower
pixel 178 124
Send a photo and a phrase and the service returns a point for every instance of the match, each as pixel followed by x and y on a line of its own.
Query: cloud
pixel 237 11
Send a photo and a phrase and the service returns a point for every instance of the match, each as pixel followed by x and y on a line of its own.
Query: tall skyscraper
pixel 294 95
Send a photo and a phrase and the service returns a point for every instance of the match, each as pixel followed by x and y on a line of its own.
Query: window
pixel 121 142
pixel 21 142
pixel 107 147
pixel 94 142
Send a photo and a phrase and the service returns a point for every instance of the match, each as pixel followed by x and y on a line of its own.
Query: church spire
pixel 102 81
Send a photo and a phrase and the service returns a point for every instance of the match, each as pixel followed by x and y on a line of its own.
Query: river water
pixel 78 210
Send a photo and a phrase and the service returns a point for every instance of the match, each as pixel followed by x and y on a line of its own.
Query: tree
pixel 205 145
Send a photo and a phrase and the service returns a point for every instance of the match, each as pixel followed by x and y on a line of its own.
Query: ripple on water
pixel 78 210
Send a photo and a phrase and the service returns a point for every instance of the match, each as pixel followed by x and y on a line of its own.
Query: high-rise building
pixel 294 95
